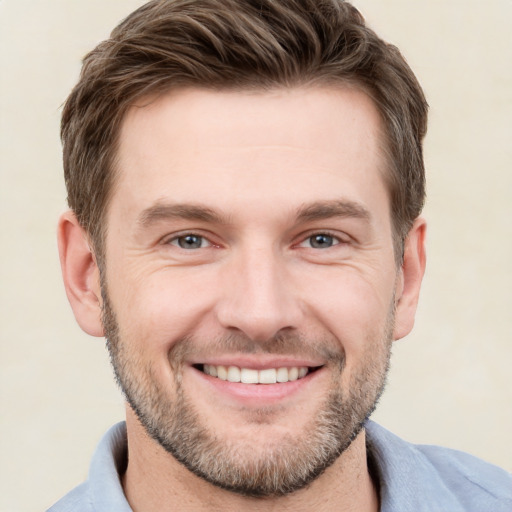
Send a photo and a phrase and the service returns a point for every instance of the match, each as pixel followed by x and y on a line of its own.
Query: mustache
pixel 327 348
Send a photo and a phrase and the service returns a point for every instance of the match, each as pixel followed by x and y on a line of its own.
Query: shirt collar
pixel 407 479
pixel 107 467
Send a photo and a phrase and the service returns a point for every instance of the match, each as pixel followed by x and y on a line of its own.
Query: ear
pixel 409 279
pixel 81 274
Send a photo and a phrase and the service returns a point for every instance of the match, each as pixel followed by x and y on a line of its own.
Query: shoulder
pixel 472 478
pixel 77 500
pixel 102 491
pixel 421 477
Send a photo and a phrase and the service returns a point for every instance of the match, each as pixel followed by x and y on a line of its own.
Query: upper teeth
pixel 250 376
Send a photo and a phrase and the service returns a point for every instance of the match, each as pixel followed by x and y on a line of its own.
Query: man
pixel 245 181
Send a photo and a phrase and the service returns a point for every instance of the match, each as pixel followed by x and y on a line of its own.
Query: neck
pixel 154 480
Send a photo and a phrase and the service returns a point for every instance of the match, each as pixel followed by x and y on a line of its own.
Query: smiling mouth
pixel 252 376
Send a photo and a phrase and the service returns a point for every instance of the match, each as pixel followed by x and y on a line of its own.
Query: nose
pixel 258 296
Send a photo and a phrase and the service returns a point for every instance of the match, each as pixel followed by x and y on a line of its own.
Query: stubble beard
pixel 258 469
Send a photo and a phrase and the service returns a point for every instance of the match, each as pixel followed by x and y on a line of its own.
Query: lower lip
pixel 258 394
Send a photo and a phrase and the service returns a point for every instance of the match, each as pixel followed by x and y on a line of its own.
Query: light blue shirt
pixel 412 478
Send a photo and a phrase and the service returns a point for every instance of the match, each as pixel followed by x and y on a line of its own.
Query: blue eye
pixel 190 241
pixel 322 241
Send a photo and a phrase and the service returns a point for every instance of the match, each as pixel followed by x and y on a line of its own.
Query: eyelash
pixel 337 240
pixel 175 241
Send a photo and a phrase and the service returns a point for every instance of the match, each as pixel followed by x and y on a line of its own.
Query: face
pixel 249 291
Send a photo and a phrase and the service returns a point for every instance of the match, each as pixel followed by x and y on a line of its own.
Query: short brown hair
pixel 237 44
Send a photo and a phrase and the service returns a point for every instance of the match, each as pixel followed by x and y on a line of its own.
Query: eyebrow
pixel 309 212
pixel 162 212
pixel 334 208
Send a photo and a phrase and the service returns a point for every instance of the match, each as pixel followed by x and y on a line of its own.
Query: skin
pixel 257 161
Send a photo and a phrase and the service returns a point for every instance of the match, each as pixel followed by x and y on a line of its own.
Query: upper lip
pixel 259 363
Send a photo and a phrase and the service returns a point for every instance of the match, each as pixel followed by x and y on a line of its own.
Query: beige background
pixel 450 381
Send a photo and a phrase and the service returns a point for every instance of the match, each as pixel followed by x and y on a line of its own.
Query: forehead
pixel 231 146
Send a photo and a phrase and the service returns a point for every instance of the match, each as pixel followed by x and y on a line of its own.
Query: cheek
pixel 157 309
pixel 350 299
pixel 353 306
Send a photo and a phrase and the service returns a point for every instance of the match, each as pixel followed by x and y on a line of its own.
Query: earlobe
pixel 409 279
pixel 80 273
